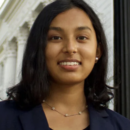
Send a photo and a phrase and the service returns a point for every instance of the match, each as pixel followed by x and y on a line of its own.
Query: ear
pixel 98 52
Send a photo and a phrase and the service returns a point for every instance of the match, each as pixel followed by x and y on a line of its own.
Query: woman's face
pixel 71 47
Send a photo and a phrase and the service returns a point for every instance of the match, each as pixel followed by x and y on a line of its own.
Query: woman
pixel 63 85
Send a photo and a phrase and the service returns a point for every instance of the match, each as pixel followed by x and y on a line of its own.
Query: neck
pixel 67 97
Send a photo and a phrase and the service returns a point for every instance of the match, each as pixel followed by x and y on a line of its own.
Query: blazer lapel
pixel 99 120
pixel 34 119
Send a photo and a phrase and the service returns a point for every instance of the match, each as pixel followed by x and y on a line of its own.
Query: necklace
pixel 65 115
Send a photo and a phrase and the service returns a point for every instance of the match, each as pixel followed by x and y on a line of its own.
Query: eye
pixel 82 38
pixel 55 38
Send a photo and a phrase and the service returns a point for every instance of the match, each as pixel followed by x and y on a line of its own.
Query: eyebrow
pixel 77 29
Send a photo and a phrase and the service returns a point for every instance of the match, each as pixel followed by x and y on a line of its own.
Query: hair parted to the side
pixel 34 84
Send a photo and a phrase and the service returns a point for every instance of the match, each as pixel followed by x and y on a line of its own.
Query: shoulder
pixel 118 120
pixel 13 118
pixel 6 103
pixel 9 115
pixel 8 106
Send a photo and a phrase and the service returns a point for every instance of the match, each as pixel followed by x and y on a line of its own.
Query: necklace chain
pixel 65 115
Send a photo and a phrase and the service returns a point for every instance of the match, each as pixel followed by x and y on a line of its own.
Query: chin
pixel 68 78
pixel 70 81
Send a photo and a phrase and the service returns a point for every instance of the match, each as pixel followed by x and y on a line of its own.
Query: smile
pixel 69 63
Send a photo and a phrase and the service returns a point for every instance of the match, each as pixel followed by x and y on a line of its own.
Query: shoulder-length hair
pixel 34 84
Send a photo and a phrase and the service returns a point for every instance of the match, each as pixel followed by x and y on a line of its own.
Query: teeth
pixel 69 63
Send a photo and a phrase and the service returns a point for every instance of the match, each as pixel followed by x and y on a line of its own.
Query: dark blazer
pixel 11 118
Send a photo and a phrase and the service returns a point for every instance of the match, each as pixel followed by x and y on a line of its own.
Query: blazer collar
pixel 35 119
pixel 99 120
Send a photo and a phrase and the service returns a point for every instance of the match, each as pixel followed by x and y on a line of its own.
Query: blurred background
pixel 16 20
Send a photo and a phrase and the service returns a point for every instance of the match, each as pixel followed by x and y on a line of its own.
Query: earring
pixel 96 58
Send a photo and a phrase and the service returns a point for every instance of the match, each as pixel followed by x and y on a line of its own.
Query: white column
pixel 1 82
pixel 22 39
pixel 0 75
pixel 32 18
pixel 46 2
pixel 9 67
pixel 2 93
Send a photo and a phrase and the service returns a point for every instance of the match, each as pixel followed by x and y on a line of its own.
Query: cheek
pixel 88 58
pixel 51 52
pixel 88 51
pixel 51 55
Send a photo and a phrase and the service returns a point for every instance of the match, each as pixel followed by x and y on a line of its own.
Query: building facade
pixel 16 19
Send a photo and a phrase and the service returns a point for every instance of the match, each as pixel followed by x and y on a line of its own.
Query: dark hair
pixel 34 84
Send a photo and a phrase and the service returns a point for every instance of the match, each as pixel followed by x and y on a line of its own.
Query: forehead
pixel 72 18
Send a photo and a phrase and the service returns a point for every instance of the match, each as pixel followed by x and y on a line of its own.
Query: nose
pixel 70 47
